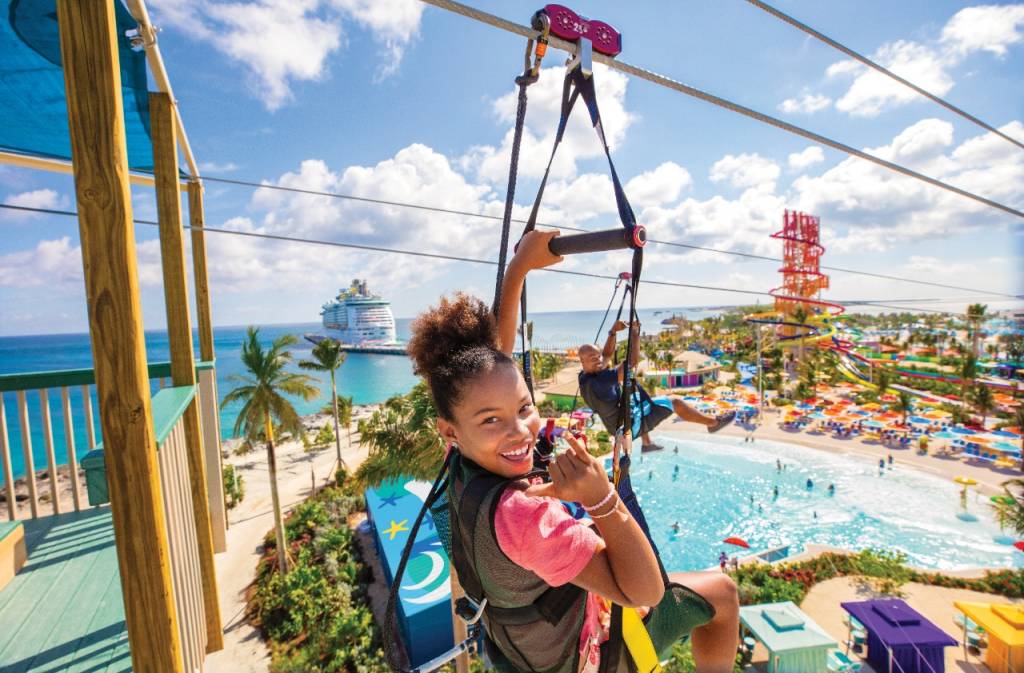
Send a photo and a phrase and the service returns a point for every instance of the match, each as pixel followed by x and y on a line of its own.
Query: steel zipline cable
pixel 669 83
pixel 677 244
pixel 799 25
pixel 474 260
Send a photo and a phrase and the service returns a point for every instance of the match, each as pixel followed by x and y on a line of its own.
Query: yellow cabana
pixel 1004 624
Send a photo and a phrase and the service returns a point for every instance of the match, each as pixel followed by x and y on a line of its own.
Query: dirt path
pixel 244 651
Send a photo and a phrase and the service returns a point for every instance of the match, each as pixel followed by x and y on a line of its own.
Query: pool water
pixel 902 509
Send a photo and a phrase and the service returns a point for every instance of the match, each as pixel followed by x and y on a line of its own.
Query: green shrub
pixel 317 616
pixel 234 486
pixel 325 437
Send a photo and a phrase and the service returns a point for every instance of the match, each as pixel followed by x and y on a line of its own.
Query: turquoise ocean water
pixel 367 378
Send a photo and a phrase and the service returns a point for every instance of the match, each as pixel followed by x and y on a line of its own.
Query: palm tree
pixel 968 370
pixel 905 404
pixel 402 439
pixel 1012 514
pixel 1018 418
pixel 261 392
pixel 328 357
pixel 983 401
pixel 975 316
pixel 882 381
pixel 669 360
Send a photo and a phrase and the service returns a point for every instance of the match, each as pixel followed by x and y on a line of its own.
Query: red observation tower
pixel 802 281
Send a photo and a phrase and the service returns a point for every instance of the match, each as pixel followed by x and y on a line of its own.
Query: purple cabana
pixel 900 639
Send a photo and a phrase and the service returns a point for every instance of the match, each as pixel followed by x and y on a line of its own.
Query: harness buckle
pixel 469 611
pixel 584 57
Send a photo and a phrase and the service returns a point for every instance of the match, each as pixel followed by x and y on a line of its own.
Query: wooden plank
pixel 51 638
pixel 172 510
pixel 204 316
pixel 179 337
pixel 39 594
pixel 90 425
pixel 88 39
pixel 5 452
pixel 26 450
pixel 212 453
pixel 51 458
pixel 69 442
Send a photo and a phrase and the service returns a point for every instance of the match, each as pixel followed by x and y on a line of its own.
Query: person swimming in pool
pixel 601 387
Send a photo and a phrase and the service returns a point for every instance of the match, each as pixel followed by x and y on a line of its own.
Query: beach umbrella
pixel 962 431
pixel 818 416
pixel 860 412
pixel 1004 447
pixel 944 435
pixel 1019 544
pixel 1004 433
pixel 738 541
pixel 917 420
pixel 965 481
pixel 1002 500
pixel 873 424
pixel 872 406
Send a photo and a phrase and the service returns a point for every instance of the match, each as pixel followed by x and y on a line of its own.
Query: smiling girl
pixel 547 577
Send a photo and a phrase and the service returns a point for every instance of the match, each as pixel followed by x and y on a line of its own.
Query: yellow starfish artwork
pixel 395 528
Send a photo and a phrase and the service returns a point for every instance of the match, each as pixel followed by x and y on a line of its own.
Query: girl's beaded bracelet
pixel 604 501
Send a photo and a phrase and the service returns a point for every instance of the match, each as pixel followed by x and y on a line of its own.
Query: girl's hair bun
pixel 451 344
pixel 454 325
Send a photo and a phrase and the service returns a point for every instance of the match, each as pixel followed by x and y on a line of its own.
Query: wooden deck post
pixel 208 397
pixel 179 337
pixel 95 119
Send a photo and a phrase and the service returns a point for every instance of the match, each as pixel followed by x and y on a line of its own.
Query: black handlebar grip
pixel 599 241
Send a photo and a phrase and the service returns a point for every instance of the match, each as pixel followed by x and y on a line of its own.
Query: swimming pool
pixel 710 497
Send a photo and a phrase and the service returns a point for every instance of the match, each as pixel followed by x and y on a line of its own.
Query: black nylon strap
pixel 510 194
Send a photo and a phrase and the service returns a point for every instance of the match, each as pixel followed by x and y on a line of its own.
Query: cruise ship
pixel 358 318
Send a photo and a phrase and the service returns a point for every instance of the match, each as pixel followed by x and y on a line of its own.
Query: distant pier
pixel 378 349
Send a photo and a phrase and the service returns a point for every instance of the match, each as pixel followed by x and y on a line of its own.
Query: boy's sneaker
pixel 651 447
pixel 722 421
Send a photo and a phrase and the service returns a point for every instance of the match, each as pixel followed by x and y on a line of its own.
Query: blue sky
pixel 396 100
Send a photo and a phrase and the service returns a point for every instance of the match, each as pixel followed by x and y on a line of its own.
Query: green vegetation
pixel 316 617
pixel 883 571
pixel 234 486
pixel 402 439
pixel 262 393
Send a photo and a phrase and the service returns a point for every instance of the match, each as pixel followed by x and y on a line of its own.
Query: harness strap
pixel 638 642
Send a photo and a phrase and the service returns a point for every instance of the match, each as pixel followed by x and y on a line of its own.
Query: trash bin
pixel 96 477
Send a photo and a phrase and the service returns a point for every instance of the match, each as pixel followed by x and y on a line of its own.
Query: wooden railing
pixel 73 383
pixel 169 407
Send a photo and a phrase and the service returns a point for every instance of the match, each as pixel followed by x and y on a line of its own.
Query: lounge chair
pixel 839 662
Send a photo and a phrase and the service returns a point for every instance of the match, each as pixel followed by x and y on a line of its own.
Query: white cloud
pixel 807 157
pixel 37 198
pixel 214 167
pixel 866 207
pixel 50 262
pixel 991 28
pixel 746 170
pixel 807 103
pixel 987 27
pixel 394 22
pixel 416 174
pixel 871 91
pixel 491 164
pixel 658 187
pixel 280 42
pixel 934 266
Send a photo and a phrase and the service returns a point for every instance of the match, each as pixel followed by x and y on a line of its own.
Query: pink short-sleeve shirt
pixel 540 535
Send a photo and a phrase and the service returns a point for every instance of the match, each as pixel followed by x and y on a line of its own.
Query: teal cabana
pixel 795 643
